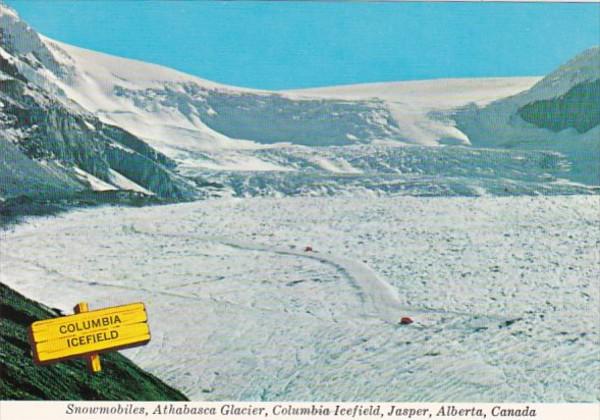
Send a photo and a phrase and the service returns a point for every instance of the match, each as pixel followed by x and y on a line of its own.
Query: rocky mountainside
pixel 52 145
pixel 560 113
pixel 21 379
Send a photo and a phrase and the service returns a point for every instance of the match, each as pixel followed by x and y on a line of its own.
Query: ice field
pixel 504 293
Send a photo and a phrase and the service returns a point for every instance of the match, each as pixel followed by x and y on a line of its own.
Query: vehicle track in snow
pixel 380 300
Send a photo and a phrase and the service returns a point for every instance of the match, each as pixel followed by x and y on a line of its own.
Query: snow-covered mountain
pixel 561 112
pixel 51 145
pixel 73 118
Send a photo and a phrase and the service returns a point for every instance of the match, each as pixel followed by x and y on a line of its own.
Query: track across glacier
pixel 379 299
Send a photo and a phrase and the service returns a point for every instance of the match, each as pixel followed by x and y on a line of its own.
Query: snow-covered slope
pixel 178 113
pixel 207 126
pixel 163 104
pixel 421 107
pixel 584 67
pixel 52 145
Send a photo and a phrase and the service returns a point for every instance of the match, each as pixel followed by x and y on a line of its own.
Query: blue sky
pixel 275 45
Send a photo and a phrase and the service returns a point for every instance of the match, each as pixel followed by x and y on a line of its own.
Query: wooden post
pixel 93 360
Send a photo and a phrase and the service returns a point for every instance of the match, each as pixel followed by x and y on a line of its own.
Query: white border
pixel 58 410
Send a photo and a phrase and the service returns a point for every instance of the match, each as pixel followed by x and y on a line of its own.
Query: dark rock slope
pixel 578 108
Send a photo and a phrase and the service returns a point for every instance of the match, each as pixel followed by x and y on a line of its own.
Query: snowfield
pixel 422 108
pixel 215 126
pixel 504 292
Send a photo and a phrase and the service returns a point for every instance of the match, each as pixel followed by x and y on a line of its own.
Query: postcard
pixel 299 210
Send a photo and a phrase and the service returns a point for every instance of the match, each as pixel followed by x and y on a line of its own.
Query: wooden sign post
pixel 87 333
pixel 93 360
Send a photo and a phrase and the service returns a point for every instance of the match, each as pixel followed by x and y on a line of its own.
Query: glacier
pixel 503 291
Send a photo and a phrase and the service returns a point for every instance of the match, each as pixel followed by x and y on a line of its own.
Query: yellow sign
pixel 87 333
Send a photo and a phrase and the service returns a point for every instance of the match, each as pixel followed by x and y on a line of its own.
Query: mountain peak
pixel 20 40
pixel 6 10
pixel 584 67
